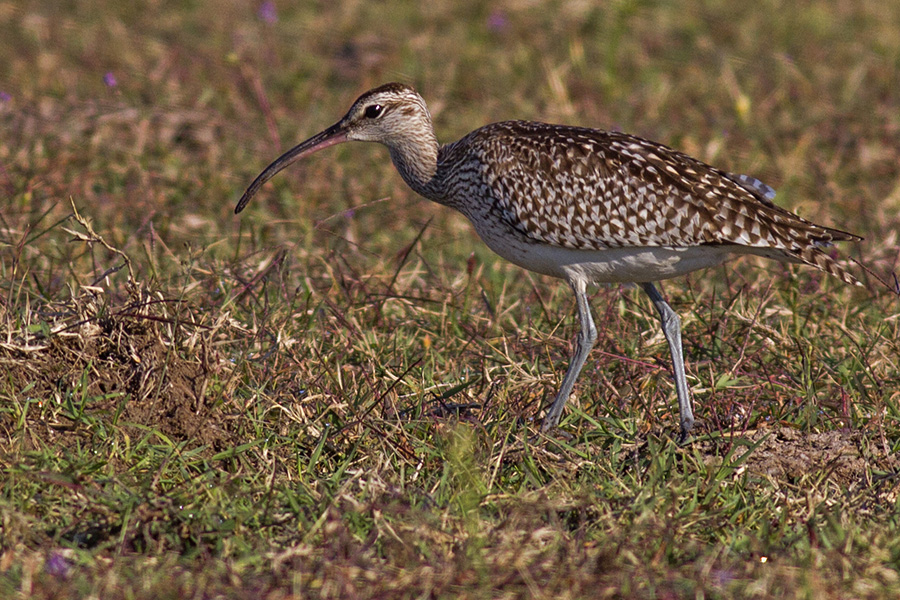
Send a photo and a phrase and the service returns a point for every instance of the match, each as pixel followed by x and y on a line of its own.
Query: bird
pixel 583 205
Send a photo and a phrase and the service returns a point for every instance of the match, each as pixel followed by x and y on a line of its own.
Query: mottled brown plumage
pixel 587 189
pixel 584 205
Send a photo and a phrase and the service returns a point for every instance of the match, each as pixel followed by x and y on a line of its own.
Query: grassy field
pixel 338 392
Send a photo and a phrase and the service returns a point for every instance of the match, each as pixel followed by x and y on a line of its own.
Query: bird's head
pixel 392 114
pixel 387 114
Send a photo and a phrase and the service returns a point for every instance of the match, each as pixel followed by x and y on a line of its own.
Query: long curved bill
pixel 331 136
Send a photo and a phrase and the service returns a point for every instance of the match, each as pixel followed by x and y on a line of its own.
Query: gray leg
pixel 671 326
pixel 586 338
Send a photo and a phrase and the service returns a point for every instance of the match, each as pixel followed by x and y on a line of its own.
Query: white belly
pixel 616 265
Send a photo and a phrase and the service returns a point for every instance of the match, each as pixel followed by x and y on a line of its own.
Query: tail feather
pixel 816 257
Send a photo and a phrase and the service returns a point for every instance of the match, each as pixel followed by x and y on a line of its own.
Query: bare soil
pixel 142 363
pixel 846 457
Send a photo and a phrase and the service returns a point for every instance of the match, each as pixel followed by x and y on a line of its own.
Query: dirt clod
pixel 134 362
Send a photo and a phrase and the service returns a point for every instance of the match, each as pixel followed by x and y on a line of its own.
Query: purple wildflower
pixel 110 80
pixel 267 12
pixel 497 21
pixel 57 565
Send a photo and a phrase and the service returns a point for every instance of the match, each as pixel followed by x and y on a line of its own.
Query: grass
pixel 336 394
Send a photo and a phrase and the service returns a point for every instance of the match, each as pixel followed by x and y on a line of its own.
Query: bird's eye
pixel 373 111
